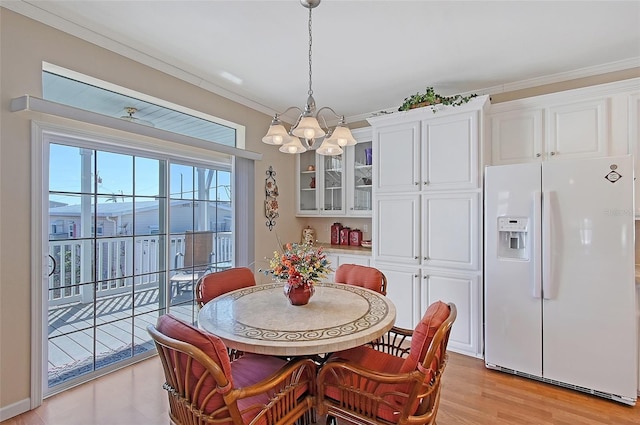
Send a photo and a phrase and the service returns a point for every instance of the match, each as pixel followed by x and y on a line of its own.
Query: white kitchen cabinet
pixel 464 290
pixel 337 259
pixel 566 131
pixel 588 122
pixel 578 129
pixel 430 229
pixel 517 136
pixel 412 289
pixel 333 261
pixel 427 217
pixel 398 148
pixel 307 190
pixel 320 185
pixel 359 173
pixel 339 185
pixel 451 226
pixel 396 229
pixel 449 152
pixel 402 290
pixel 440 152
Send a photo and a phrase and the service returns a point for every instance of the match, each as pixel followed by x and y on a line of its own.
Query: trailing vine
pixel 430 97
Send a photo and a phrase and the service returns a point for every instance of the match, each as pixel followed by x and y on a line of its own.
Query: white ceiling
pixel 367 55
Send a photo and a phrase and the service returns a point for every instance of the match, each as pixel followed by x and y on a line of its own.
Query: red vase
pixel 298 294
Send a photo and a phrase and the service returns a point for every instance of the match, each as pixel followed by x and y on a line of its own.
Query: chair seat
pixel 246 371
pixel 374 360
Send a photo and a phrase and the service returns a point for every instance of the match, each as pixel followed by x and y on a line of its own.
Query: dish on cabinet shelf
pixel 365 244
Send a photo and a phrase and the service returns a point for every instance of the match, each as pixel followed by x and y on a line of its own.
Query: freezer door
pixel 589 306
pixel 513 322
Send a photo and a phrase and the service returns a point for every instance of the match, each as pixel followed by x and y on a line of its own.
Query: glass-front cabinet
pixel 336 185
pixel 332 198
pixel 360 184
pixel 359 174
pixel 307 184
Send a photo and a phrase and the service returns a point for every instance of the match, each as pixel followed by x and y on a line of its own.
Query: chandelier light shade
pixel 277 134
pixel 292 146
pixel 329 148
pixel 307 127
pixel 341 135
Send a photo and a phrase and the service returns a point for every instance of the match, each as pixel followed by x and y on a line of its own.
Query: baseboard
pixel 14 409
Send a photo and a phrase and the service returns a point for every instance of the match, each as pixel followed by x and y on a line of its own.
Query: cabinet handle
pixel 553 153
pixel 351 208
pixel 538 155
pixel 425 258
pixel 415 275
pixel 416 183
pixel 425 183
pixel 426 276
pixel 416 257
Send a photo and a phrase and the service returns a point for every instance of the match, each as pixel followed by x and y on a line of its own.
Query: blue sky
pixel 115 173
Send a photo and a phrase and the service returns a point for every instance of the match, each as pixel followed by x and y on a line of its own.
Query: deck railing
pixel 120 262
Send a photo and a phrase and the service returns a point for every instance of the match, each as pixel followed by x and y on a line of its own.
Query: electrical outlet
pixel 365 228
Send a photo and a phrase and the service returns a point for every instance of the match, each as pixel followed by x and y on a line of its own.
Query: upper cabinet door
pixel 517 137
pixel 307 184
pixel 450 152
pixel 578 130
pixel 397 149
pixel 332 195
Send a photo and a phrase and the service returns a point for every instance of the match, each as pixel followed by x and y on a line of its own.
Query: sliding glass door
pixel 129 234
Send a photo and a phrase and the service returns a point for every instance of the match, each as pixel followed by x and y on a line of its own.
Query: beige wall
pixel 24 45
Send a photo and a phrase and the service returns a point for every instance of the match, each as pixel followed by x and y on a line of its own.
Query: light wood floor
pixel 471 394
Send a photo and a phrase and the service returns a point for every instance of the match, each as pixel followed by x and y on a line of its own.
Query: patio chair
pixel 204 387
pixel 215 284
pixel 367 277
pixel 389 384
pixel 196 258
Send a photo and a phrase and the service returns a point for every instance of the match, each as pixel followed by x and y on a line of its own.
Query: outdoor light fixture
pixel 307 126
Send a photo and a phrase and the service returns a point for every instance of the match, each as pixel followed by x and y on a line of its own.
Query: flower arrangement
pixel 299 264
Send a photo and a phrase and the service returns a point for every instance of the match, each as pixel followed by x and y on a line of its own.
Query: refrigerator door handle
pixel 546 245
pixel 536 287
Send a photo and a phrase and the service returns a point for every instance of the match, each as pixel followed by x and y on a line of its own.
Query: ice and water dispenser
pixel 513 234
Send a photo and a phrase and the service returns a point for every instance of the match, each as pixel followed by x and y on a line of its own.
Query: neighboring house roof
pixel 108 209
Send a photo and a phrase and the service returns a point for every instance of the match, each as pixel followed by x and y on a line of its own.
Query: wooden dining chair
pixel 205 388
pixel 215 284
pixel 367 277
pixel 389 383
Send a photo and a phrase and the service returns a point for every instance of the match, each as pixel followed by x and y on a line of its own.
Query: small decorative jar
pixel 344 235
pixel 335 233
pixel 308 235
pixel 355 237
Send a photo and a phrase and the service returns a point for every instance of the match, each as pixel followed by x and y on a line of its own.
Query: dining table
pixel 259 319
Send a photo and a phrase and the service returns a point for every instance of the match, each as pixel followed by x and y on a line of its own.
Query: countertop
pixel 344 249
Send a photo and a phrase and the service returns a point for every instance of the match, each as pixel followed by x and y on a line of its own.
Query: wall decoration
pixel 271 203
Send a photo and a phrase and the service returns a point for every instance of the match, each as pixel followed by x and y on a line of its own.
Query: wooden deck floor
pixel 76 347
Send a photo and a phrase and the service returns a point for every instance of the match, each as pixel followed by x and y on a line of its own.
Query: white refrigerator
pixel 559 284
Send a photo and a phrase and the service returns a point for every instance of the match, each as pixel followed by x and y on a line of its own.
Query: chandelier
pixel 307 126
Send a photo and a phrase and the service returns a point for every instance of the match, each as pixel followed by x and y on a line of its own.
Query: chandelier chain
pixel 310 45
